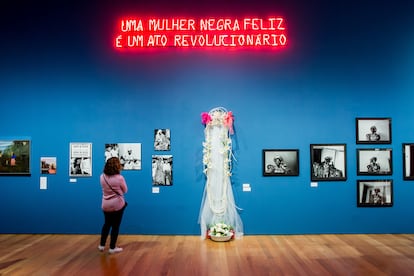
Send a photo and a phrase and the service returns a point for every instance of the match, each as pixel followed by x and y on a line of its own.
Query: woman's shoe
pixel 115 250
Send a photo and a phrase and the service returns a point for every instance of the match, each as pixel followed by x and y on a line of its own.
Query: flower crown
pixel 218 117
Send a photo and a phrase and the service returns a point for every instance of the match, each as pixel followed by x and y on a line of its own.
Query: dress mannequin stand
pixel 218 204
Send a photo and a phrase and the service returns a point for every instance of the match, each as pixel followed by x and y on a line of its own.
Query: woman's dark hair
pixel 112 166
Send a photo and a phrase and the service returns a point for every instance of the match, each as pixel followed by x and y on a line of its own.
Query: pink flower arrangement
pixel 228 121
pixel 205 118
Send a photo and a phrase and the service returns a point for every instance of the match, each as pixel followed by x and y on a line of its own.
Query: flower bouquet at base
pixel 220 232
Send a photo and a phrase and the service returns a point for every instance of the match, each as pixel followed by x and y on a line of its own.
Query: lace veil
pixel 218 203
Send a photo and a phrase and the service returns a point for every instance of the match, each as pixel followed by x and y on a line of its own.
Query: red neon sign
pixel 249 32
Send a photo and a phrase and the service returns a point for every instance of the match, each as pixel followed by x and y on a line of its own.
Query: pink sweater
pixel 110 200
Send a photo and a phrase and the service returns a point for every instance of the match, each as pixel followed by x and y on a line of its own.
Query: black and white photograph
pixel 328 162
pixel 111 150
pixel 408 161
pixel 374 193
pixel 280 162
pixel 162 170
pixel 80 159
pixel 374 161
pixel 162 139
pixel 129 154
pixel 14 157
pixel 373 130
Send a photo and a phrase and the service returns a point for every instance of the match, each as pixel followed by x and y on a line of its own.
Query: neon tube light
pixel 249 32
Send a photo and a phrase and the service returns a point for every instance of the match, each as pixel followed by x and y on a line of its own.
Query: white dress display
pixel 218 204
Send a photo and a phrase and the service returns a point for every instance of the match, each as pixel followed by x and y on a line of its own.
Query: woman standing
pixel 13 160
pixel 113 202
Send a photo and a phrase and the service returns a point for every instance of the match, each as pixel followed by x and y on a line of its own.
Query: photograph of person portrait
pixel 111 150
pixel 162 139
pixel 373 130
pixel 48 165
pixel 129 154
pixel 408 161
pixel 328 162
pixel 14 157
pixel 374 161
pixel 80 159
pixel 374 193
pixel 162 170
pixel 280 162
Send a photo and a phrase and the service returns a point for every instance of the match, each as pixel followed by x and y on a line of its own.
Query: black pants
pixel 112 223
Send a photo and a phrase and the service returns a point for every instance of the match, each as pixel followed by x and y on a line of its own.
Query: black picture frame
pixel 280 162
pixel 15 156
pixel 375 161
pixel 375 193
pixel 328 162
pixel 408 161
pixel 373 131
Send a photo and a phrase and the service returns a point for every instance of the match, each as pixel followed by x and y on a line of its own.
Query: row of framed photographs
pixel 129 155
pixel 15 155
pixel 328 162
pixel 15 160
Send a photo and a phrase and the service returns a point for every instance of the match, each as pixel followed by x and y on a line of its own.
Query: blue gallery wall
pixel 61 82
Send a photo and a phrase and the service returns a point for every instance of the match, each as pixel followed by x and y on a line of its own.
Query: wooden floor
pixel 189 255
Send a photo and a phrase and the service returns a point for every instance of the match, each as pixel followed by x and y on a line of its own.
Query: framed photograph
pixel 162 139
pixel 129 154
pixel 374 161
pixel 80 159
pixel 280 162
pixel 328 162
pixel 48 165
pixel 408 161
pixel 162 170
pixel 373 130
pixel 14 157
pixel 111 150
pixel 374 193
